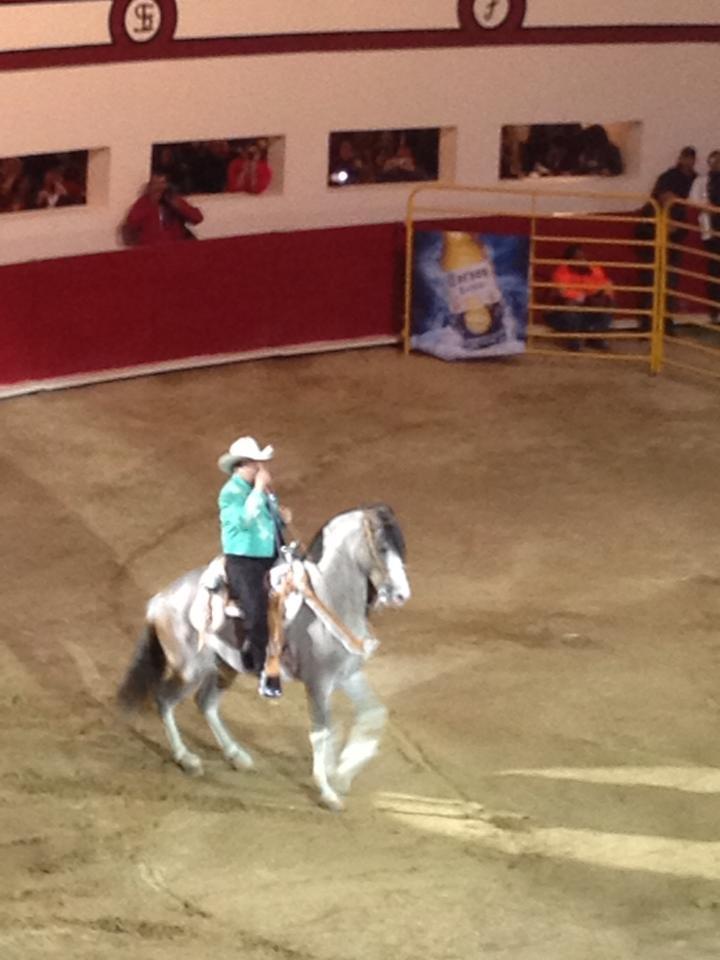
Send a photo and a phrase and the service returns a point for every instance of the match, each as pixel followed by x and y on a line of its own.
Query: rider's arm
pixel 238 512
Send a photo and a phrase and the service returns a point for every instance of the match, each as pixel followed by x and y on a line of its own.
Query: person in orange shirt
pixel 579 283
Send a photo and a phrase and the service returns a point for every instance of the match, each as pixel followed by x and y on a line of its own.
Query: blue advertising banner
pixel 470 294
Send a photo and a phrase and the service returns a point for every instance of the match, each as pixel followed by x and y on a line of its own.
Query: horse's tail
pixel 145 671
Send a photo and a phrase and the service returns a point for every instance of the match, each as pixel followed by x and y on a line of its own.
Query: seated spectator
pixel 249 172
pixel 207 165
pixel 75 181
pixel 53 192
pixel 558 161
pixel 581 284
pixel 347 166
pixel 401 165
pixel 15 186
pixel 160 215
pixel 513 149
pixel 556 150
pixel 599 156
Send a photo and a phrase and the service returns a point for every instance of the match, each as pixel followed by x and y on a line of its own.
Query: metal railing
pixel 691 273
pixel 636 302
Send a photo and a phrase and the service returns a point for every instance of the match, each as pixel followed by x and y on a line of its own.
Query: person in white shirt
pixel 706 191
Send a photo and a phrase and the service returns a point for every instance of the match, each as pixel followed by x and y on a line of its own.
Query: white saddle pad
pixel 294 599
pixel 207 612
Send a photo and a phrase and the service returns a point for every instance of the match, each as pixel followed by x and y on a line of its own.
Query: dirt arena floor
pixel 549 784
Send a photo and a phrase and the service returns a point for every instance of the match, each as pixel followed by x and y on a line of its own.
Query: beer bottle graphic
pixel 473 292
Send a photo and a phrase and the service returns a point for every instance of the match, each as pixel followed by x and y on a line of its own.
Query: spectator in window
pixel 403 165
pixel 513 147
pixel 53 192
pixel 706 190
pixel 536 150
pixel 160 215
pixel 599 156
pixel 209 169
pixel 581 284
pixel 164 160
pixel 558 159
pixel 249 172
pixel 74 181
pixel 347 166
pixel 15 186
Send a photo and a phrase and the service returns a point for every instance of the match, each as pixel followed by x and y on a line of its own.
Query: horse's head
pixel 384 546
pixel 372 539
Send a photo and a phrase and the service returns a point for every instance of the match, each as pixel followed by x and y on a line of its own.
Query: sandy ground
pixel 549 784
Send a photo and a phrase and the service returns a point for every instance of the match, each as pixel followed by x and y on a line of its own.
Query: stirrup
pixel 270 687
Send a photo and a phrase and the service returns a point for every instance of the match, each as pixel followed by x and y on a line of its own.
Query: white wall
pixel 127 107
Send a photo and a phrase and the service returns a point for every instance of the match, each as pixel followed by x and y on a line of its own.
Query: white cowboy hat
pixel 245 448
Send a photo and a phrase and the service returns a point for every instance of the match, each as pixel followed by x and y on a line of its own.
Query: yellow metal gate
pixel 689 292
pixel 619 233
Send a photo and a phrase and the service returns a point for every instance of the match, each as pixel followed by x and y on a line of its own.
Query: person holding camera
pixel 160 215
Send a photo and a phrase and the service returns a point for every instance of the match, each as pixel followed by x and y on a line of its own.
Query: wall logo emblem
pixel 491 13
pixel 143 19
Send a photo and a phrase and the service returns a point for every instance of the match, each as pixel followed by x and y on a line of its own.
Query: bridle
pixel 297 580
pixel 378 573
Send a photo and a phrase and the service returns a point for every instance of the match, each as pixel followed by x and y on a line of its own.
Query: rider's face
pixel 248 470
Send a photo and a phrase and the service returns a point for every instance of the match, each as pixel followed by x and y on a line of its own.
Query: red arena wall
pixel 195 301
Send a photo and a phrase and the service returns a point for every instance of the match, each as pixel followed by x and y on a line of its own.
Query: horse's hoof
pixel 191 764
pixel 239 760
pixel 331 801
pixel 342 782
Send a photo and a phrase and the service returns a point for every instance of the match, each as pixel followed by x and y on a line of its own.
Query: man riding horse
pixel 251 531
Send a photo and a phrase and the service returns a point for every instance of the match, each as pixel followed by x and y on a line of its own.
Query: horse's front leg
pixel 364 737
pixel 321 740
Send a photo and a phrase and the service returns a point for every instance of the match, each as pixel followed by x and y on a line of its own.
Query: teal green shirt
pixel 247 528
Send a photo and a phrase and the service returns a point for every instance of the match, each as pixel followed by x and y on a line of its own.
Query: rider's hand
pixel 285 514
pixel 262 478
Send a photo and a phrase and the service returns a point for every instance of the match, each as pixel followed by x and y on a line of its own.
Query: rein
pixel 299 582
pixel 370 532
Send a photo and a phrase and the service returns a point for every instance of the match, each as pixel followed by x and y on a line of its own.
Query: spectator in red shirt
pixel 160 215
pixel 249 172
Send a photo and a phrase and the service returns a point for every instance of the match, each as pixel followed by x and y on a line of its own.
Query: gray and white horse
pixel 354 564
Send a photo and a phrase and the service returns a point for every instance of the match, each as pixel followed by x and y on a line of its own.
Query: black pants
pixel 248 585
pixel 566 321
pixel 646 278
pixel 713 269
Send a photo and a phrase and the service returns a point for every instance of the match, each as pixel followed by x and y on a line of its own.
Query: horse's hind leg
pixel 364 737
pixel 208 701
pixel 169 695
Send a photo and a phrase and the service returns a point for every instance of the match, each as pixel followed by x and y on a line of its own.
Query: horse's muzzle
pixel 392 597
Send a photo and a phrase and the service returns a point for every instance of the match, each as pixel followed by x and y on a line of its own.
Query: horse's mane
pixel 387 526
